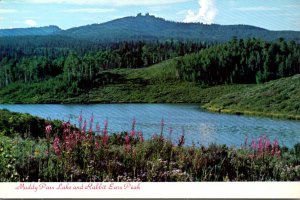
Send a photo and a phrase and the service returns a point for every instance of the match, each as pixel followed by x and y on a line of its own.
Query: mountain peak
pixel 146 15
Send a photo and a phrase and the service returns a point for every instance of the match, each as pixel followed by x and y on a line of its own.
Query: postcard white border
pixel 158 190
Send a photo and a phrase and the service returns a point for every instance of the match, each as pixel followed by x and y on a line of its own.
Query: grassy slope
pixel 155 84
pixel 158 84
pixel 279 98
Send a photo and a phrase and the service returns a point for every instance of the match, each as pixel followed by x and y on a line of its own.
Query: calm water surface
pixel 200 127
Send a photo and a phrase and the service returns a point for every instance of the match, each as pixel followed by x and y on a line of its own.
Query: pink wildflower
pixel 265 138
pixel 66 129
pixel 56 146
pixel 84 127
pixel 98 127
pixel 127 143
pixel 127 140
pixel 97 145
pixel 105 134
pixel 154 136
pixel 66 125
pixel 260 145
pixel 70 141
pixel 277 153
pixel 275 149
pixel 106 124
pixel 267 144
pixel 48 130
pixel 253 145
pixel 104 131
pixel 105 140
pixel 77 136
pixel 91 123
pixel 132 133
pixel 141 137
pixel 275 144
pixel 127 147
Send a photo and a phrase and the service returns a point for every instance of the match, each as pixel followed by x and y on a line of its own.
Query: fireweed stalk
pixel 80 120
pixel 141 137
pixel 56 146
pixel 105 134
pixel 132 133
pixel 48 130
pixel 91 123
pixel 127 143
pixel 263 147
pixel 162 124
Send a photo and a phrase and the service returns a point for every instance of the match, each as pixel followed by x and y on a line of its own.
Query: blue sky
pixel 269 14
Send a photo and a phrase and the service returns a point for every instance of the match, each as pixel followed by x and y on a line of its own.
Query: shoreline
pixel 252 113
pixel 210 109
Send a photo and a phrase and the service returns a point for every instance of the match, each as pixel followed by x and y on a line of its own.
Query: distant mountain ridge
pixel 144 27
pixel 149 27
pixel 46 30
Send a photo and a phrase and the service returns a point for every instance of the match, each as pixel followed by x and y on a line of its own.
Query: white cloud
pixel 7 11
pixel 109 2
pixel 257 8
pixel 89 10
pixel 286 14
pixel 30 22
pixel 206 14
pixel 181 12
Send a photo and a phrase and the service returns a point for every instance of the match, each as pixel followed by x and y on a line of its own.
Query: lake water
pixel 200 127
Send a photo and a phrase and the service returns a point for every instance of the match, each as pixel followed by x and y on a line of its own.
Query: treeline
pixel 76 66
pixel 241 61
pixel 49 46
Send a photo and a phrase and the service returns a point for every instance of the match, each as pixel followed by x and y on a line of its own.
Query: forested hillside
pixel 241 61
pixel 237 61
pixel 80 66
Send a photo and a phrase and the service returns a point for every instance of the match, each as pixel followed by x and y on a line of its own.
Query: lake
pixel 200 127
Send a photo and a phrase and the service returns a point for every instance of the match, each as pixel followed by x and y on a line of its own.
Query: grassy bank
pixel 64 153
pixel 279 98
pixel 159 84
